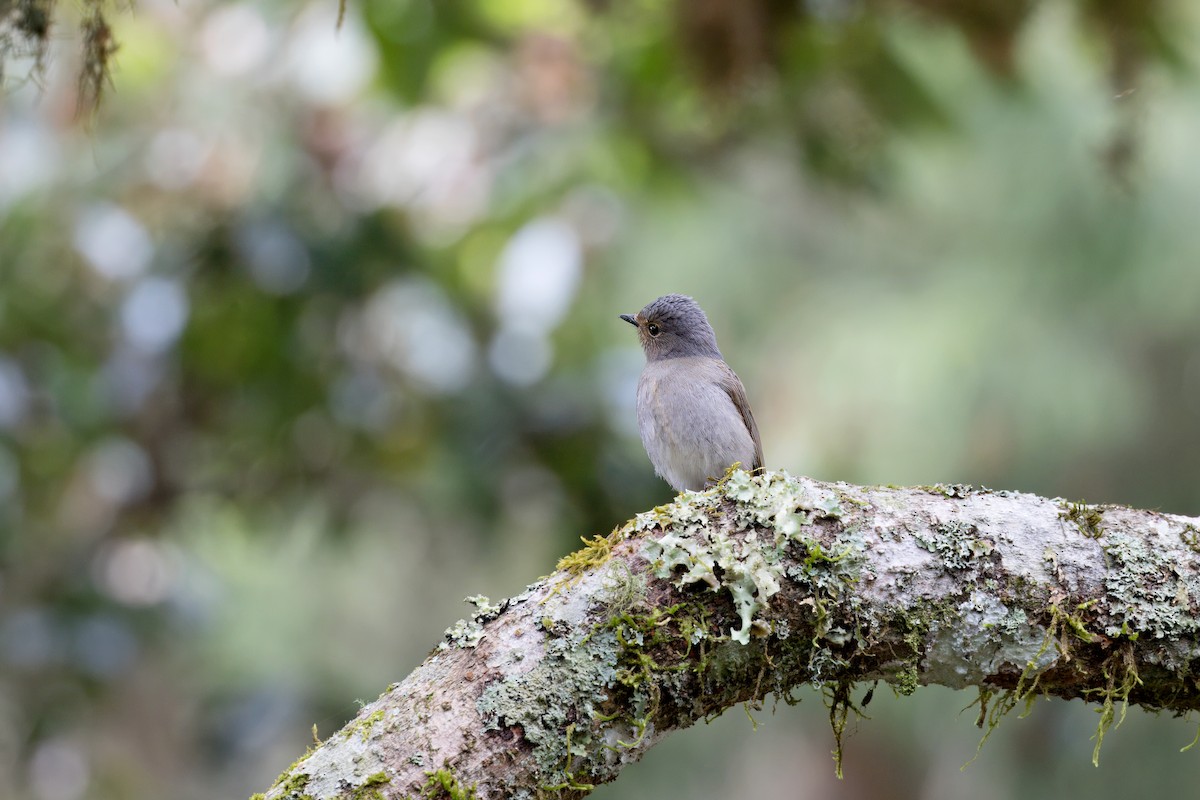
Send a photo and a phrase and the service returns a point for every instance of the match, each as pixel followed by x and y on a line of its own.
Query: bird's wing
pixel 732 384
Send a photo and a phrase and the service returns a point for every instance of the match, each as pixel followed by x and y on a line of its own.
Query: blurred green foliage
pixel 309 333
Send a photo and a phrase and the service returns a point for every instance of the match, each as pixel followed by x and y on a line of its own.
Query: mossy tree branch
pixel 765 583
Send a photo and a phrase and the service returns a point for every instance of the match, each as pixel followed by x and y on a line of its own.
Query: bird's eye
pixel 653 329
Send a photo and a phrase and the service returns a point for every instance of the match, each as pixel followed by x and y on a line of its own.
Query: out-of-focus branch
pixel 762 584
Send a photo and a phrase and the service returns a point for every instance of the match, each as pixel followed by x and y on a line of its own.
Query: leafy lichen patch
pixel 958 544
pixel 1150 593
pixel 464 633
pixel 691 550
pixel 469 633
pixel 566 686
pixel 780 581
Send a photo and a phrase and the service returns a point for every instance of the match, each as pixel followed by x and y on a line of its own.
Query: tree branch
pixel 760 585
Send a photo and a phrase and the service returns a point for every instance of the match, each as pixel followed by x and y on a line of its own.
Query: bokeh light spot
pixel 136 572
pixel 154 313
pixel 519 355
pixel 175 158
pixel 28 158
pixel 119 471
pixel 412 326
pixel 235 40
pixel 538 275
pixel 112 241
pixel 328 63
pixel 59 770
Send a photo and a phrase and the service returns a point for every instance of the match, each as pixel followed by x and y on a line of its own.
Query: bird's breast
pixel 689 425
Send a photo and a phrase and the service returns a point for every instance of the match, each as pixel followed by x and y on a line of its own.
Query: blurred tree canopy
pixel 689 76
pixel 311 330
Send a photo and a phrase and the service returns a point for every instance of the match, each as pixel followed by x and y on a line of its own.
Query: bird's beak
pixel 629 318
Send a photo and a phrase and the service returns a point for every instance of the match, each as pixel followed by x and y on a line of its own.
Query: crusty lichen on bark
pixel 764 583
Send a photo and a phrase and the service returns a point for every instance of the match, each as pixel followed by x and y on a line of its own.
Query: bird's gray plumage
pixel 692 411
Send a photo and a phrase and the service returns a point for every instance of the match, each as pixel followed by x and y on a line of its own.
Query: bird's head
pixel 674 326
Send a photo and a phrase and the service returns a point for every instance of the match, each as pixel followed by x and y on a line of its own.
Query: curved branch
pixel 765 583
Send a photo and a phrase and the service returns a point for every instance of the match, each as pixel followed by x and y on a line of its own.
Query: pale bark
pixel 761 585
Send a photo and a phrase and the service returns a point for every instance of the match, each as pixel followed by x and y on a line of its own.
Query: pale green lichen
pixel 567 685
pixel 691 550
pixel 957 543
pixel 1150 595
pixel 583 672
pixel 469 633
pixel 485 608
pixel 464 633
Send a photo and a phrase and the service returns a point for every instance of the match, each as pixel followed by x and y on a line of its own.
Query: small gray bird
pixel 692 410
